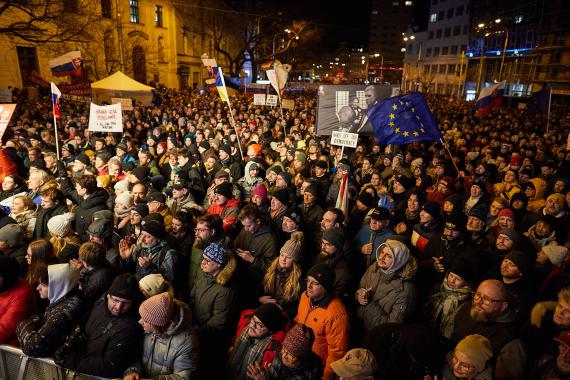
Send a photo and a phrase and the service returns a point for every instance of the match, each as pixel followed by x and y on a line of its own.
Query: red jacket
pixel 227 212
pixel 16 304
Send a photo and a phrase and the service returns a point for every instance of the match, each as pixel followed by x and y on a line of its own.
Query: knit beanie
pixel 125 198
pixel 418 163
pixel 216 253
pixel 335 236
pixel 59 225
pixel 260 190
pixel 324 274
pixel 506 212
pixel 511 234
pixel 405 181
pixel 477 348
pixel 12 234
pixel 521 260
pixel 282 196
pixel 153 227
pixel 301 157
pixel 367 199
pixel 122 186
pixel 299 340
pixel 463 269
pixel 157 310
pixel 224 189
pixel 154 284
pixel 555 253
pixel 295 214
pixel 559 198
pixel 275 169
pixel 272 316
pixel 433 208
pixel 312 189
pixel 479 213
pixel 286 176
pixel 125 286
pixel 294 245
pixel 141 209
pixel 221 174
pixel 141 172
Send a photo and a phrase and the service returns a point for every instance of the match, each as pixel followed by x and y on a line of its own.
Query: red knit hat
pixel 506 212
pixel 299 341
pixel 157 310
pixel 260 190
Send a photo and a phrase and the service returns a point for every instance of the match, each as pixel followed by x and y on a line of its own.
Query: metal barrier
pixel 15 365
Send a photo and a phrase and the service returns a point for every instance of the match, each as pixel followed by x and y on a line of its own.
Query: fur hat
pixel 157 310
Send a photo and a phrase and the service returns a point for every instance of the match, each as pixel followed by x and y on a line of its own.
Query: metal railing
pixel 15 365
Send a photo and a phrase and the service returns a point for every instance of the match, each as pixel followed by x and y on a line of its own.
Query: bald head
pixel 491 301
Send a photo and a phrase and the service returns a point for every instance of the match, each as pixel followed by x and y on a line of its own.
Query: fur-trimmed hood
pixel 540 310
pixel 227 272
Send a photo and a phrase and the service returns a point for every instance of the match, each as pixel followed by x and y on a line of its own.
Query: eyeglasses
pixel 478 297
pixel 201 229
pixel 256 324
pixel 465 367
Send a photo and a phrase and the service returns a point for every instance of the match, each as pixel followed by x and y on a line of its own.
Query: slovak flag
pixel 490 97
pixel 55 95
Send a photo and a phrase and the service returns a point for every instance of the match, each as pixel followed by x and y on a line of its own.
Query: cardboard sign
pixel 272 100
pixel 106 118
pixel 288 104
pixel 344 139
pixel 126 103
pixel 259 99
pixel 6 112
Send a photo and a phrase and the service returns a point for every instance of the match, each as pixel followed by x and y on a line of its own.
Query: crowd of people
pixel 187 247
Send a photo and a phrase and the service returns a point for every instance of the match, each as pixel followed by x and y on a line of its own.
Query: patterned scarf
pixel 444 304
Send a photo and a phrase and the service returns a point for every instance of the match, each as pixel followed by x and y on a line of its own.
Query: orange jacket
pixel 329 321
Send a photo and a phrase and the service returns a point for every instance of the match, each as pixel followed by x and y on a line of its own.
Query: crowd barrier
pixel 15 365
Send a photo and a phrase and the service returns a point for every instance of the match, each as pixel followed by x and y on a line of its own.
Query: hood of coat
pixel 182 318
pixel 99 197
pixel 540 186
pixel 225 275
pixel 63 278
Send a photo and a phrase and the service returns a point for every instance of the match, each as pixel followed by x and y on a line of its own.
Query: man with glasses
pixel 490 314
pixel 112 338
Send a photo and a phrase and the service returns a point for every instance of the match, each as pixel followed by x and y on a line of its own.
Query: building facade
pixel 434 59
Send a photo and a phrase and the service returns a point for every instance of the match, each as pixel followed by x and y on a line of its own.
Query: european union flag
pixel 403 120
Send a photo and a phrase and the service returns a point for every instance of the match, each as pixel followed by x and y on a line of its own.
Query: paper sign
pixel 126 103
pixel 106 118
pixel 259 99
pixel 344 139
pixel 6 111
pixel 288 104
pixel 271 100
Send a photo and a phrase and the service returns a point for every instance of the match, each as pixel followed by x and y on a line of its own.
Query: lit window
pixel 433 17
pixel 134 10
pixel 408 3
pixel 518 19
pixel 158 15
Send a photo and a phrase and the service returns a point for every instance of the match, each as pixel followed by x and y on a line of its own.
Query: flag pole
pixel 281 108
pixel 446 146
pixel 235 129
pixel 548 115
pixel 55 131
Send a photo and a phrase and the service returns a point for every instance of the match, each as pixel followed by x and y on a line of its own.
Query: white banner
pixel 106 118
pixel 272 100
pixel 126 103
pixel 259 99
pixel 6 111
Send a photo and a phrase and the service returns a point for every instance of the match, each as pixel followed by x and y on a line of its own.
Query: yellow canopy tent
pixel 120 85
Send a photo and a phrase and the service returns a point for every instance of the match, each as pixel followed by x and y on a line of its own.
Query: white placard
pixel 126 103
pixel 344 139
pixel 6 111
pixel 106 118
pixel 259 99
pixel 272 100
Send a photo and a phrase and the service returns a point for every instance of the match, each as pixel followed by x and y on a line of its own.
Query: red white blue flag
pixel 55 95
pixel 489 98
pixel 67 64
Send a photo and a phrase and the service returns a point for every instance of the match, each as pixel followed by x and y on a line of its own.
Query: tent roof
pixel 120 82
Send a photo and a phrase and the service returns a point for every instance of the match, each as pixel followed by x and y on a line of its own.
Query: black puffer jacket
pixel 96 282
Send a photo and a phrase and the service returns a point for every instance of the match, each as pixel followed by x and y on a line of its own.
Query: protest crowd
pixel 185 248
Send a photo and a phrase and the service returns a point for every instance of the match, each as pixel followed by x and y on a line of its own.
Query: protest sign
pixel 344 139
pixel 288 104
pixel 106 118
pixel 126 103
pixel 6 111
pixel 259 99
pixel 271 100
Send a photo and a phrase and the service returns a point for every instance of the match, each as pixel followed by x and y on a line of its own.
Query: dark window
pixel 459 10
pixel 430 35
pixel 135 17
pixel 106 9
pixel 428 52
pixel 441 69
pixel 453 50
pixel 440 15
pixel 436 52
pixel 465 29
pixel 158 15
pixel 450 12
pixel 28 61
pixel 447 32
pixel 444 50
pixel 433 2
pixel 410 49
pixel 456 30
pixel 450 69
pixel 70 5
pixel 463 47
pixel 438 33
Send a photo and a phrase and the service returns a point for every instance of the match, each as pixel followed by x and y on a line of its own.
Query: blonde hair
pixel 292 290
pixel 59 243
pixel 564 295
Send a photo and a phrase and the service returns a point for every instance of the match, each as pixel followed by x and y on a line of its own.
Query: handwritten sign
pixel 259 99
pixel 288 104
pixel 6 112
pixel 272 100
pixel 106 118
pixel 126 103
pixel 344 139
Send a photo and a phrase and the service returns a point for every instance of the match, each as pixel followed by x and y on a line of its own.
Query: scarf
pixel 444 304
pixel 470 203
pixel 410 215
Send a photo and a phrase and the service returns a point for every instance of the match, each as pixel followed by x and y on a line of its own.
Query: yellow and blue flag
pixel 220 84
pixel 403 120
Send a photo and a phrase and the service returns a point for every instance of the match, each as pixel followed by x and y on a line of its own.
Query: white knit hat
pixel 126 199
pixel 555 253
pixel 59 225
pixel 122 186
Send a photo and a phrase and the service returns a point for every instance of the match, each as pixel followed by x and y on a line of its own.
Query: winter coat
pixel 16 304
pixel 44 215
pixel 442 306
pixel 540 243
pixel 330 324
pixel 40 336
pixel 365 236
pixel 212 300
pixel 163 261
pixel 262 246
pixel 311 369
pixel 174 354
pixel 248 182
pixel 538 201
pixel 86 207
pixel 422 234
pixel 344 280
pixel 26 220
pixel 107 344
pixel 228 212
pixel 393 295
pixel 96 282
pixel 184 204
